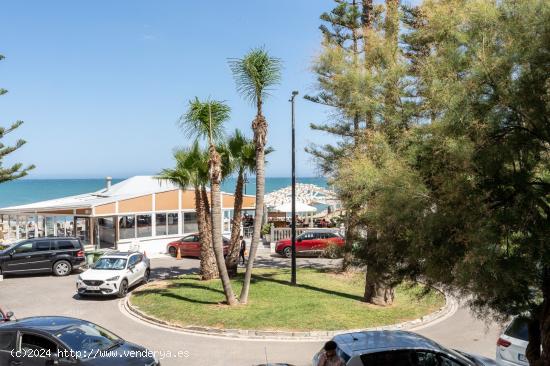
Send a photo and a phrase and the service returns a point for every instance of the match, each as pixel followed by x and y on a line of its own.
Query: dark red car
pixel 190 246
pixel 311 242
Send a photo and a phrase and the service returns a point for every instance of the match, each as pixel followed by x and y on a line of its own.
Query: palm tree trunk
pixel 232 259
pixel 216 214
pixel 208 267
pixel 260 132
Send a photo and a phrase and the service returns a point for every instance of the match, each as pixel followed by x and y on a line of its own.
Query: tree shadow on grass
pixel 271 278
pixel 168 292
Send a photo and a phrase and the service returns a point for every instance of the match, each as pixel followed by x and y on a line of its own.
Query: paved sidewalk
pixel 48 295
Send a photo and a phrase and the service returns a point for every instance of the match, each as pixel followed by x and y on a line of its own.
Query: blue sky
pixel 100 84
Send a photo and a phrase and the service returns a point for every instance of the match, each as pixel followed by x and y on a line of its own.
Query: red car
pixel 190 246
pixel 310 242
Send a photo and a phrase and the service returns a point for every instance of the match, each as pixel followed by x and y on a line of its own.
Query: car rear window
pixel 518 329
pixel 67 244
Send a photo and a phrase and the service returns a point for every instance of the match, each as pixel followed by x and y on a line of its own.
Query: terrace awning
pixel 300 207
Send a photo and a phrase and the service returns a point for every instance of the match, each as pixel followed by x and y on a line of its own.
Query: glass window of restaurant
pixel 172 222
pixel 105 232
pixel 190 224
pixel 22 226
pixel 127 227
pixel 144 227
pixel 160 221
pixel 50 224
pixel 83 229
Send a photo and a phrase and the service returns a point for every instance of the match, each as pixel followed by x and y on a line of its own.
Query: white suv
pixel 113 274
pixel 512 344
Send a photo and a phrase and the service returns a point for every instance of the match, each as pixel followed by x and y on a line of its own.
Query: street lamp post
pixel 293 227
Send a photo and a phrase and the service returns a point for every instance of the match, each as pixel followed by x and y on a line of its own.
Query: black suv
pixel 59 255
pixel 65 341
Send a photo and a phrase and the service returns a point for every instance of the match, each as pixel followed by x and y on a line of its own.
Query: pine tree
pixel 17 170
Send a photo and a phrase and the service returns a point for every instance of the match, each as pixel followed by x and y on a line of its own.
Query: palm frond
pixel 255 74
pixel 205 119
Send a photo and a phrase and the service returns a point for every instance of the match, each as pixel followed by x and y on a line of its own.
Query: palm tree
pixel 192 170
pixel 241 158
pixel 255 74
pixel 242 154
pixel 205 120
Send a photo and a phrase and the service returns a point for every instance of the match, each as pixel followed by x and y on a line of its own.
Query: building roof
pixel 140 185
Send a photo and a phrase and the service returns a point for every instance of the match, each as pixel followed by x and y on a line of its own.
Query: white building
pixel 138 213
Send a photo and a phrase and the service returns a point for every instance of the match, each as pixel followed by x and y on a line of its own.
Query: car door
pixel 132 270
pixel 19 258
pixel 304 244
pixel 138 270
pixel 196 246
pixel 187 245
pixel 7 345
pixel 41 256
pixel 42 348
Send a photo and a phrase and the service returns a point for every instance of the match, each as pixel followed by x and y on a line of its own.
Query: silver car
pixel 512 344
pixel 398 348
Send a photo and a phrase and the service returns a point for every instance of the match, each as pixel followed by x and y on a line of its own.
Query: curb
pixel 450 307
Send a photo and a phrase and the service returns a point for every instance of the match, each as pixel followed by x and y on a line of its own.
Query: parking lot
pixel 48 295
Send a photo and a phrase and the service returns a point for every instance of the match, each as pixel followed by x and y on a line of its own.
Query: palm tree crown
pixel 255 74
pixel 205 119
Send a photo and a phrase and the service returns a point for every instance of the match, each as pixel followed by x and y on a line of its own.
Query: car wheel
pixel 146 275
pixel 287 252
pixel 62 268
pixel 123 289
pixel 172 251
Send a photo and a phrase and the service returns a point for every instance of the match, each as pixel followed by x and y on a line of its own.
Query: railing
pixel 286 232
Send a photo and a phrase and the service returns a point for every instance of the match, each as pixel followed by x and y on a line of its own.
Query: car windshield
pixel 519 329
pixel 87 338
pixel 110 263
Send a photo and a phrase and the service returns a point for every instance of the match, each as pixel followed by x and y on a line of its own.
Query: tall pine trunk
pixel 216 214
pixel 208 267
pixel 232 259
pixel 259 126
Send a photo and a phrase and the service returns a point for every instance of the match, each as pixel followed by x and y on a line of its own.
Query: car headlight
pixel 113 278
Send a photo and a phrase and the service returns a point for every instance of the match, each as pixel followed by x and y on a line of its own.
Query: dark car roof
pixel 359 343
pixel 49 324
pixel 55 237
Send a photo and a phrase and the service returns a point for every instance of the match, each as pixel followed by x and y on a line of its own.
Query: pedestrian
pixel 329 357
pixel 242 250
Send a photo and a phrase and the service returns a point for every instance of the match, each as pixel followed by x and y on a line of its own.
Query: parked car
pixel 67 341
pixel 398 348
pixel 114 274
pixel 512 344
pixel 59 255
pixel 190 246
pixel 310 242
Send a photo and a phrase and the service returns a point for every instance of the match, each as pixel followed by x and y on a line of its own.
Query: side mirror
pixel 131 268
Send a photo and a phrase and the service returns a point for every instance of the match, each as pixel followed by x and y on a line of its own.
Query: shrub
pixel 333 251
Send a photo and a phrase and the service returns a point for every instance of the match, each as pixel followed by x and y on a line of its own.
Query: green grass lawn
pixel 321 301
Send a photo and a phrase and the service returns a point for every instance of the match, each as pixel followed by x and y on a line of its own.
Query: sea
pixel 25 191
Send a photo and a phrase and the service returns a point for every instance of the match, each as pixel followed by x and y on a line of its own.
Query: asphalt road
pixel 48 295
